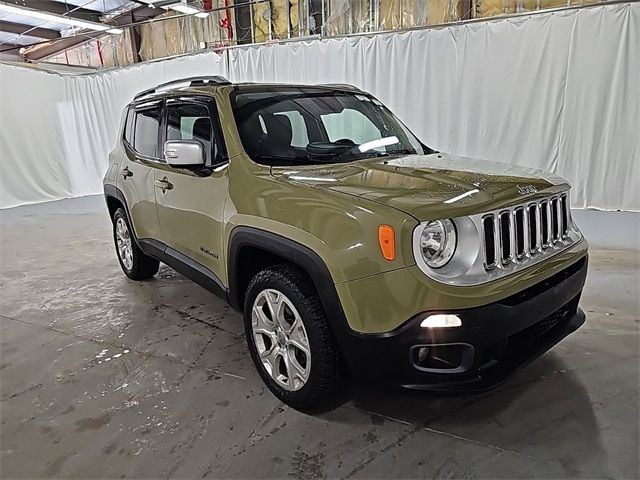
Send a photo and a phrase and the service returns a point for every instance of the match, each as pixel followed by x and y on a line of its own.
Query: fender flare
pixel 111 191
pixel 298 254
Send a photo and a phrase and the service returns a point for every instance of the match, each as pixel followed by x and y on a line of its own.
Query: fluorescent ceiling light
pixel 202 14
pixel 116 31
pixel 52 17
pixel 183 8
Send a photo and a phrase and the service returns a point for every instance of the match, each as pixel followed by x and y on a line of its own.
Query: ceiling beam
pixel 21 29
pixel 137 15
pixel 46 49
pixel 58 8
pixel 37 52
pixel 9 47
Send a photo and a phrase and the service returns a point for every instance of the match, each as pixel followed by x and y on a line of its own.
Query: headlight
pixel 438 241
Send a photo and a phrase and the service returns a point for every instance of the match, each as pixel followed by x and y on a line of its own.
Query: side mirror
pixel 184 154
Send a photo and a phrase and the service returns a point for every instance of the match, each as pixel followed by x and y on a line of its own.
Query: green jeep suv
pixel 349 246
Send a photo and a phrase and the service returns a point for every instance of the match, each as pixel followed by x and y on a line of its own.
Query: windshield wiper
pixel 401 151
pixel 279 158
pixel 374 154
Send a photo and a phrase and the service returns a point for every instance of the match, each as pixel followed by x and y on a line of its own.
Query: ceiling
pixel 18 30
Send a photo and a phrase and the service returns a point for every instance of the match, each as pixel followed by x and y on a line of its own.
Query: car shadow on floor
pixel 544 411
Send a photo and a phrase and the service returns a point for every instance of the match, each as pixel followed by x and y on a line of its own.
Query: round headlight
pixel 438 242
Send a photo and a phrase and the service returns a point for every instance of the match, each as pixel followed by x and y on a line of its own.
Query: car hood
pixel 429 186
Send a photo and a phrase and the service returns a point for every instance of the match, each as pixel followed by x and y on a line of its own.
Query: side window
pixel 145 140
pixel 350 124
pixel 192 122
pixel 300 137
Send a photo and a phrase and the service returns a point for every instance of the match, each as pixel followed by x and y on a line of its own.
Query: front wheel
pixel 290 341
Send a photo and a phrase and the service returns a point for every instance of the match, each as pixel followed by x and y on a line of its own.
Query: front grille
pixel 515 234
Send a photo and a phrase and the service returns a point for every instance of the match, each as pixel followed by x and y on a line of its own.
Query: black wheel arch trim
pixel 299 255
pixel 111 191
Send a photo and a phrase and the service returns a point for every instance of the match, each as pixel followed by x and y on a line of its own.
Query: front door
pixel 191 203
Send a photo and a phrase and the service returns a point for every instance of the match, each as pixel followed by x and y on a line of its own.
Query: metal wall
pixel 241 22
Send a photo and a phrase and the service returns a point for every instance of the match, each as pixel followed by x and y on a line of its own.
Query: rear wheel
pixel 290 341
pixel 135 264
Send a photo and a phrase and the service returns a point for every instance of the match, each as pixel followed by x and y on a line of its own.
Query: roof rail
pixel 186 82
pixel 345 86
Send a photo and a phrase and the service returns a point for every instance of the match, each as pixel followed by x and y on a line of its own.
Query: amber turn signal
pixel 387 239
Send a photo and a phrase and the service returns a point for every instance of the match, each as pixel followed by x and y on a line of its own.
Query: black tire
pixel 324 387
pixel 143 266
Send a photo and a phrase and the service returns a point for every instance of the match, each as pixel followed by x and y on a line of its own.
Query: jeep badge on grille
pixel 526 190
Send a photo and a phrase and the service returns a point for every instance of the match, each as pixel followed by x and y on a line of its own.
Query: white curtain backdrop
pixel 557 91
pixel 56 131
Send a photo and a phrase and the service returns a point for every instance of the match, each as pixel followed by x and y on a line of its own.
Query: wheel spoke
pixel 270 360
pixel 294 369
pixel 298 337
pixel 287 364
pixel 275 302
pixel 262 324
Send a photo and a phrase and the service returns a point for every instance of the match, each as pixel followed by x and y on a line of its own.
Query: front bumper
pixel 492 343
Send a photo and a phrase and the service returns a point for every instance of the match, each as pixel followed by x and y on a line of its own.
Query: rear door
pixel 191 203
pixel 136 172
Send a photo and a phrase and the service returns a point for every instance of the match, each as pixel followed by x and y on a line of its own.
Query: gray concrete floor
pixel 106 377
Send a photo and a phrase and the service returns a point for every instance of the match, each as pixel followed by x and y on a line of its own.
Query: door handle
pixel 126 172
pixel 163 184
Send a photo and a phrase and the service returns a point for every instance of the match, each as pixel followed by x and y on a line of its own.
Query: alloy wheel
pixel 281 339
pixel 123 243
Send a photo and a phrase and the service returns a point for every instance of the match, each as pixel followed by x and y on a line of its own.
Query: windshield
pixel 307 125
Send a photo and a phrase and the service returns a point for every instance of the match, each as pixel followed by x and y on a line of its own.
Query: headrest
pixel 202 128
pixel 279 129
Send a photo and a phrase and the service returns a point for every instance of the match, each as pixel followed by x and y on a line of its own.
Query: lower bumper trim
pixel 499 372
pixel 493 342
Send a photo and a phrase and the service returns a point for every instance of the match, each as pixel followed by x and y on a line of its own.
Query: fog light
pixel 423 353
pixel 435 321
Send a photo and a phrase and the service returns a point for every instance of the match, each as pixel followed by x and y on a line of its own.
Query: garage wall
pixel 557 91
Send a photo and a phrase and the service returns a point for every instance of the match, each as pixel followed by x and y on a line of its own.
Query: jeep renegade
pixel 347 244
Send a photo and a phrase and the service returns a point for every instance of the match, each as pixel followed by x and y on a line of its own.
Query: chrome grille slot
pixel 534 221
pixel 489 240
pixel 565 215
pixel 505 221
pixel 555 220
pixel 521 230
pixel 526 233
pixel 545 232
